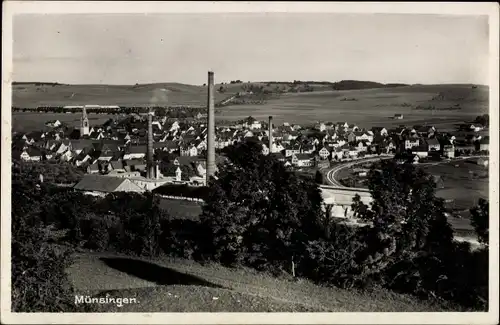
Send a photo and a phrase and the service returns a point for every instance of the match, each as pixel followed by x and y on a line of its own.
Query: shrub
pixel 39 281
pixel 258 213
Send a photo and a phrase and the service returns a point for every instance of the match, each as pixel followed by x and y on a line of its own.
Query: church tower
pixel 84 125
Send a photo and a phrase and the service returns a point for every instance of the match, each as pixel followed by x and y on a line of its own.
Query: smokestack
pixel 270 134
pixel 211 128
pixel 150 168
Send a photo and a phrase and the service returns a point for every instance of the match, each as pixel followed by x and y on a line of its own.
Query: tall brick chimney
pixel 150 166
pixel 211 128
pixel 270 134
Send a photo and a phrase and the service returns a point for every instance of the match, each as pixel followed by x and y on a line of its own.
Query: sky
pixel 145 48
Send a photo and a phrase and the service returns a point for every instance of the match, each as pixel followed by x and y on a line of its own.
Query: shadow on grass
pixel 155 273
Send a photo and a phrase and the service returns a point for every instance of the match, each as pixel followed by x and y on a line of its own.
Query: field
pixel 177 285
pixel 372 107
pixel 181 209
pixel 365 107
pixel 28 121
pixel 464 181
pixel 30 95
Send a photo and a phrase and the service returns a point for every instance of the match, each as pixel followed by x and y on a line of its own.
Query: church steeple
pixel 84 123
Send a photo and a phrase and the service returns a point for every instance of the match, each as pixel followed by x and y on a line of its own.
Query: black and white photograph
pixel 316 162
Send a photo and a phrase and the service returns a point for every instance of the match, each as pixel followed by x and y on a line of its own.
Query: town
pixel 188 163
pixel 118 147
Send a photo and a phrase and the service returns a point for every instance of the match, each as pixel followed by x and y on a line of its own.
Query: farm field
pixel 30 95
pixel 464 181
pixel 30 121
pixel 372 107
pixel 365 107
pixel 176 285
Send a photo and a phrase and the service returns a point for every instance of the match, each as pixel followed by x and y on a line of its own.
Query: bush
pixel 39 281
pixel 258 213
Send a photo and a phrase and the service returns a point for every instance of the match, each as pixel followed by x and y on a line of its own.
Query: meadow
pixel 371 107
pixel 168 284
pixel 464 181
pixel 365 107
pixel 29 121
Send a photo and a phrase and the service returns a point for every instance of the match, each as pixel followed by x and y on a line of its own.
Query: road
pixel 331 174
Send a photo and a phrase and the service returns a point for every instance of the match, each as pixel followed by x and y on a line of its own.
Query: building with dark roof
pixel 102 185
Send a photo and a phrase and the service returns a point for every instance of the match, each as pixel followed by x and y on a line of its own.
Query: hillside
pixel 300 102
pixel 177 285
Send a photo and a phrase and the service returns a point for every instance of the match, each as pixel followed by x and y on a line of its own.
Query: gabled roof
pixel 106 184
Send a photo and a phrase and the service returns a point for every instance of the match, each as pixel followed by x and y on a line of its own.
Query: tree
pixel 259 213
pixel 39 281
pixel 319 179
pixel 408 222
pixel 480 221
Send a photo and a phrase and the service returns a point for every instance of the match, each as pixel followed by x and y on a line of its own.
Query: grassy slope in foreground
pixel 178 285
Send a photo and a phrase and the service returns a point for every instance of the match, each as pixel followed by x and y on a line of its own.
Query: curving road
pixel 331 174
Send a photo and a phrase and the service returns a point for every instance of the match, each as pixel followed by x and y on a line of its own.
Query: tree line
pixel 259 214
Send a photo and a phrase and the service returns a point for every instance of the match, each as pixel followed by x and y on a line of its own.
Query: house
pixel 307 148
pixel 292 149
pixel 476 127
pixel 167 146
pixel 335 144
pixel 189 150
pixel 398 116
pixel 362 146
pixel 277 147
pixel 53 123
pixel 101 185
pixel 377 130
pixel 66 156
pixel 484 144
pixel 31 154
pixel 135 165
pixel 302 160
pixel 265 150
pixel 337 154
pixel 363 136
pixel 410 143
pixel 252 123
pixel 433 145
pixel 321 127
pixel 135 152
pixel 324 153
pixel 420 151
pixel 390 146
pixel 352 151
pixel 63 147
pixel 341 126
pixel 81 145
pixel 448 150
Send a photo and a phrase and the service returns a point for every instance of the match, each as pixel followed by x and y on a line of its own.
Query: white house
pixel 135 152
pixel 190 151
pixel 66 156
pixel 31 154
pixel 302 160
pixel 324 153
pixel 410 143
